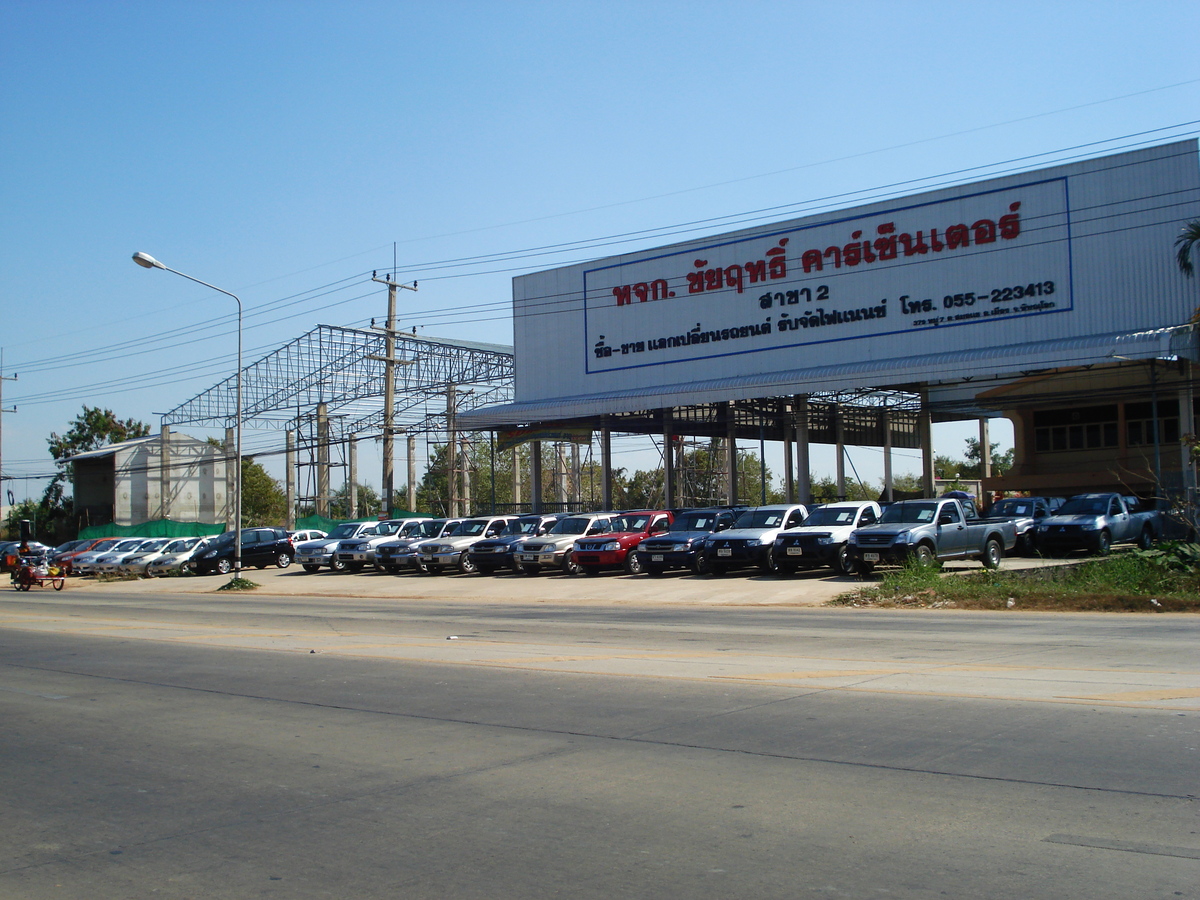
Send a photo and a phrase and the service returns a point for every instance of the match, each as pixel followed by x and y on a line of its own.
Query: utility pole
pixel 389 387
pixel 3 378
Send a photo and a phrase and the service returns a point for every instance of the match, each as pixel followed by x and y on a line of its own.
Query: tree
pixel 263 499
pixel 368 502
pixel 1187 241
pixel 1001 462
pixel 92 429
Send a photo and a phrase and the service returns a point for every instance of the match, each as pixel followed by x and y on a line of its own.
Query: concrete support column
pixel 789 473
pixel 1187 425
pixel 464 462
pixel 606 486
pixel 322 460
pixel 668 460
pixel 925 436
pixel 561 491
pixel 839 425
pixel 985 450
pixel 516 477
pixel 731 451
pixel 887 455
pixel 230 482
pixel 164 475
pixel 803 467
pixel 352 476
pixel 535 476
pixel 289 477
pixel 451 454
pixel 412 473
pixel 576 492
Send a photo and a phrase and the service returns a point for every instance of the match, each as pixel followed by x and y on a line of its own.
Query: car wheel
pixel 337 565
pixel 224 566
pixel 925 556
pixel 699 564
pixel 1025 545
pixel 310 569
pixel 1103 543
pixel 569 566
pixel 993 553
pixel 465 565
pixel 633 565
pixel 1145 539
pixel 283 560
pixel 841 561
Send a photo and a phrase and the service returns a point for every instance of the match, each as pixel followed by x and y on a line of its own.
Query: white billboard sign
pixel 917 266
pixel 1070 252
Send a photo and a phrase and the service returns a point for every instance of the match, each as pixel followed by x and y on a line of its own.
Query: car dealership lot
pixel 811 588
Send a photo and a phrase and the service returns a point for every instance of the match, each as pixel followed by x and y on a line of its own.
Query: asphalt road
pixel 159 744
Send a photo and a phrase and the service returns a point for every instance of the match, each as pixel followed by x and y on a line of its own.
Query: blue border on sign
pixel 1070 306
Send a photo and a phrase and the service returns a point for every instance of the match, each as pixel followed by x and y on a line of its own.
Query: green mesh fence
pixel 155 528
pixel 326 524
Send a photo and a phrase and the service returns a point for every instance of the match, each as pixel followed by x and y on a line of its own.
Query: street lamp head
pixel 146 261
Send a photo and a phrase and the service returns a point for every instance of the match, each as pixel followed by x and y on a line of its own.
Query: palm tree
pixel 1187 240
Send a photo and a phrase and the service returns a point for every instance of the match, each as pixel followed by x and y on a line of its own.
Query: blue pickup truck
pixel 927 532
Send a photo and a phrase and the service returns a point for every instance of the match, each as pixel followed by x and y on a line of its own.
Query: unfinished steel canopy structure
pixel 326 389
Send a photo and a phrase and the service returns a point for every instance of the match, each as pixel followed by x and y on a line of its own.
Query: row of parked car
pixel 784 538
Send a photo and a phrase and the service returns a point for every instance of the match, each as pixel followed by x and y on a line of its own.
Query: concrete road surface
pixel 163 744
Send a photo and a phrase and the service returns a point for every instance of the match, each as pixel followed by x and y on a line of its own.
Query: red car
pixel 613 550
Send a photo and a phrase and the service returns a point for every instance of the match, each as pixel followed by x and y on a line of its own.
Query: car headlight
pixel 210 554
pixel 825 539
pixel 852 541
pixel 680 547
pixel 1090 526
pixel 903 537
pixel 754 542
pixel 611 545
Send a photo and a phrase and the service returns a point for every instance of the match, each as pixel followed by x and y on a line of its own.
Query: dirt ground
pixel 735 589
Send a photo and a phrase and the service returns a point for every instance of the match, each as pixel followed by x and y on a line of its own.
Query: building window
pixel 1139 423
pixel 1084 428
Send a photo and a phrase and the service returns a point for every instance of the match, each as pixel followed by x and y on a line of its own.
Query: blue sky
pixel 276 148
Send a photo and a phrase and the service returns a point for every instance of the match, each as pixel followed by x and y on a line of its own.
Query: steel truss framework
pixel 344 369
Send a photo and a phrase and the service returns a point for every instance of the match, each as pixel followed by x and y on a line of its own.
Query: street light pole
pixel 146 261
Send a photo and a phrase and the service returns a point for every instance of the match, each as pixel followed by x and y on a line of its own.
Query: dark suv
pixel 261 547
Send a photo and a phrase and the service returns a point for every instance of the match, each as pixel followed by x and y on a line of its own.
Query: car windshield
pixel 104 545
pixel 181 545
pixel 631 522
pixel 451 530
pixel 345 530
pixel 410 529
pixel 473 527
pixel 831 516
pixel 695 521
pixel 1013 508
pixel 527 525
pixel 1084 506
pixel 428 529
pixel 571 525
pixel 127 545
pixel 908 513
pixel 154 545
pixel 760 518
